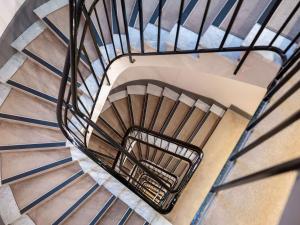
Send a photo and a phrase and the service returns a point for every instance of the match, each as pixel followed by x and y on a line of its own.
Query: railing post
pixel 126 31
pixel 263 25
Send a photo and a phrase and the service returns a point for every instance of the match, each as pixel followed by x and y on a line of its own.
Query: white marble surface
pixel 11 66
pixel 114 186
pixel 110 52
pixel 265 38
pixel 170 94
pixel 9 210
pixel 134 37
pixel 117 96
pixel 212 39
pixel 146 211
pixel 136 89
pixel 91 84
pixel 160 220
pixel 4 91
pixel 202 105
pixel 131 199
pixel 154 90
pixel 217 110
pixel 186 40
pixel 106 106
pixel 187 100
pixel 150 36
pixel 28 35
pixel 24 220
pixel 116 39
pixel 49 7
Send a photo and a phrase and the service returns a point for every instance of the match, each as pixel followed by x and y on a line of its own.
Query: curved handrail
pixel 70 106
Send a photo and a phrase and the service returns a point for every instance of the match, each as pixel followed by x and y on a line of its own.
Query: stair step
pixel 176 119
pixel 26 147
pixel 20 134
pixel 152 104
pixel 191 124
pixel 20 104
pixel 62 201
pixel 135 219
pixel 216 151
pixel 32 75
pixel 122 108
pixel 170 14
pixel 99 145
pixel 87 211
pixel 16 163
pixel 192 22
pixel 45 185
pixel 205 130
pixel 114 214
pixel 246 18
pixel 166 107
pixel 77 204
pixel 103 210
pixel 109 116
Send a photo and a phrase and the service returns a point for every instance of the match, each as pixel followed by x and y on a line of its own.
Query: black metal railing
pixel 99 36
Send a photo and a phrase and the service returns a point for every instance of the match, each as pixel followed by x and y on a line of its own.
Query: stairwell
pixel 45 179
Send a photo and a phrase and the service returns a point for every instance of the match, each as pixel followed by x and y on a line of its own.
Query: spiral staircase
pixel 157 149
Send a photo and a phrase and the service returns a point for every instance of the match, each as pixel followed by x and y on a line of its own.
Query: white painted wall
pixel 8 8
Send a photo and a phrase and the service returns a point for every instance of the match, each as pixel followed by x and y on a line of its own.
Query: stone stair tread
pixel 89 209
pixel 164 111
pixel 14 163
pixel 21 104
pixel 114 213
pixel 191 124
pixel 216 151
pixel 62 201
pixel 41 184
pixel 15 133
pixel 32 75
pixel 123 109
pixel 109 116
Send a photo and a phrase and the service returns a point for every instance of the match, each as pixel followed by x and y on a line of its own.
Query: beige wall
pixel 192 75
pixel 8 8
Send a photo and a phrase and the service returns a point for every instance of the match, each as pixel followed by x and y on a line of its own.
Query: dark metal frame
pixel 71 110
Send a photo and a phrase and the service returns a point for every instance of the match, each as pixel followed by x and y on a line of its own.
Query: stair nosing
pixel 32 92
pixel 103 210
pixel 28 120
pixel 37 171
pixel 52 192
pixel 77 204
pixel 30 147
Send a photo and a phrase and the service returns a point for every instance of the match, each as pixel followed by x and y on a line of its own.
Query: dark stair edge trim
pixel 154 16
pixel 187 11
pixel 32 146
pixel 223 13
pixel 103 210
pixel 43 62
pixel 28 120
pixel 61 36
pixel 32 91
pixel 56 30
pixel 36 170
pixel 125 217
pixel 134 14
pixel 45 65
pixel 51 192
pixel 76 205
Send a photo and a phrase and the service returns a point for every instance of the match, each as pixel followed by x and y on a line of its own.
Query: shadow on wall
pixel 22 19
pixel 291 214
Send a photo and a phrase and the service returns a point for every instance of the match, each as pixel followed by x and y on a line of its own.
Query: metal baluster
pixel 261 29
